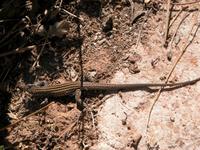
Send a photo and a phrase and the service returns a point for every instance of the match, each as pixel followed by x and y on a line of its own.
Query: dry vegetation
pixel 41 42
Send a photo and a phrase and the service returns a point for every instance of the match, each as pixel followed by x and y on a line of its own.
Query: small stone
pixel 134 58
pixel 133 68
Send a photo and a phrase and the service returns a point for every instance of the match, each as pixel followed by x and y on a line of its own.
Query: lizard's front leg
pixel 79 101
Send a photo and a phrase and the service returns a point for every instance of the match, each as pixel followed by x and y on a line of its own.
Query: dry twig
pixel 132 10
pixel 69 13
pixel 142 26
pixel 167 22
pixel 178 26
pixel 18 50
pixel 174 19
pixel 38 57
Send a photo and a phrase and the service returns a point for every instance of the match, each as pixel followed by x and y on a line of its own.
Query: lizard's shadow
pixel 39 102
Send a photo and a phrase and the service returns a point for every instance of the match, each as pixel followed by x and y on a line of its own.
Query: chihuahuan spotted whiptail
pixel 70 87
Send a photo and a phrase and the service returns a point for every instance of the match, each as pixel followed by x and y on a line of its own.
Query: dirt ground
pixel 120 41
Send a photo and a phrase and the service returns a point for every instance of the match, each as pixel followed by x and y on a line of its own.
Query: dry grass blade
pixel 18 50
pixel 69 13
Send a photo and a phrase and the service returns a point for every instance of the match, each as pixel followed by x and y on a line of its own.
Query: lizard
pixel 70 87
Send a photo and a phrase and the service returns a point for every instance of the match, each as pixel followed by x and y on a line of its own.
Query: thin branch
pixel 174 35
pixel 132 10
pixel 174 19
pixel 69 13
pixel 39 55
pixel 167 22
pixel 18 50
pixel 142 26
